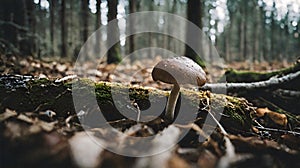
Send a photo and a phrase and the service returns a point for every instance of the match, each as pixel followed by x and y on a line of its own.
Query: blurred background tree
pixel 241 30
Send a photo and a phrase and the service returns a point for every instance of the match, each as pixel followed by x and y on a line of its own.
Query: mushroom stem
pixel 172 101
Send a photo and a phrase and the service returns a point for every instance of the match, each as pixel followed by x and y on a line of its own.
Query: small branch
pixel 272 82
pixel 277 130
pixel 289 93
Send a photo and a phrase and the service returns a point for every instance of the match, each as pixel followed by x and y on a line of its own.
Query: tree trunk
pixel 132 9
pixel 13 16
pixel 272 35
pixel 64 33
pixel 151 54
pixel 171 41
pixel 98 25
pixel 30 22
pixel 52 4
pixel 245 19
pixel 113 34
pixel 195 40
pixel 85 19
pixel 256 32
pixel 263 39
pixel 228 36
pixel 242 33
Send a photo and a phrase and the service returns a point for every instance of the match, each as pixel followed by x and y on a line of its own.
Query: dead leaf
pixel 86 149
pixel 61 67
pixel 260 112
pixel 25 118
pixel 207 159
pixel 45 125
pixel 291 140
pixel 7 114
pixel 177 162
pixel 159 143
pixel 276 117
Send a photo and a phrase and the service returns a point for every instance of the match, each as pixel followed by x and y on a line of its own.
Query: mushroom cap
pixel 179 70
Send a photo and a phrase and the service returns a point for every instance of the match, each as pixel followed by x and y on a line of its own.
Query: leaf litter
pixel 62 142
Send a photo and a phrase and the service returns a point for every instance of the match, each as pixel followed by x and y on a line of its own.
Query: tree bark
pixel 98 25
pixel 13 17
pixel 64 33
pixel 132 9
pixel 245 21
pixel 52 4
pixel 195 40
pixel 85 19
pixel 272 38
pixel 113 34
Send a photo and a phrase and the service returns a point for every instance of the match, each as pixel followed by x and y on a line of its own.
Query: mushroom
pixel 177 71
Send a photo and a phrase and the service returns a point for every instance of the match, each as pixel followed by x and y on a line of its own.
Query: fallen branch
pixel 288 93
pixel 271 83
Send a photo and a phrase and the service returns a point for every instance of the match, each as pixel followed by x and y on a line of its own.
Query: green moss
pixel 250 76
pixel 47 94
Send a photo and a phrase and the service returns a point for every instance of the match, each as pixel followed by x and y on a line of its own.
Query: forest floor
pixel 37 138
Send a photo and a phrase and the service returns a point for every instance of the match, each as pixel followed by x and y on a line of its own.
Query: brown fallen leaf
pixel 7 114
pixel 25 118
pixel 291 141
pixel 46 126
pixel 280 119
pixel 207 159
pixel 85 149
pixel 177 162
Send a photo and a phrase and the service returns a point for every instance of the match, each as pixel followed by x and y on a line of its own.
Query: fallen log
pixel 237 76
pixel 28 94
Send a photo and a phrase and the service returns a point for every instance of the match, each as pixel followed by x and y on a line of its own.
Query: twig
pixel 276 107
pixel 272 82
pixel 277 130
pixel 289 93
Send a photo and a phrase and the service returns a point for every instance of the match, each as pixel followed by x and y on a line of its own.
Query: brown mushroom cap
pixel 179 70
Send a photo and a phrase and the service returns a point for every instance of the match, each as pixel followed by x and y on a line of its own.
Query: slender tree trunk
pixel 30 22
pixel 132 9
pixel 151 54
pixel 165 39
pixel 257 28
pixel 52 23
pixel 12 11
pixel 227 45
pixel 272 47
pixel 72 33
pixel 241 38
pixel 194 16
pixel 113 34
pixel 170 29
pixel 85 20
pixel 242 33
pixel 263 39
pixel 64 32
pixel 228 35
pixel 98 25
pixel 245 30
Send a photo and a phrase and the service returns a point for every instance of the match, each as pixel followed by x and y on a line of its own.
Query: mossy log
pixel 278 90
pixel 236 76
pixel 27 94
